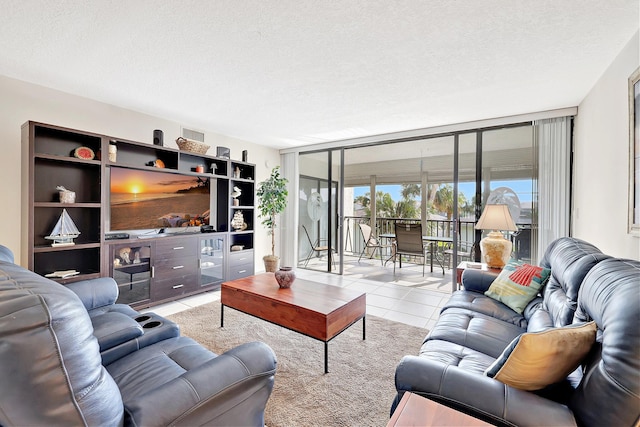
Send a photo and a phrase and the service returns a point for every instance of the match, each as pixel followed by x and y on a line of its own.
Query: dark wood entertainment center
pixel 150 268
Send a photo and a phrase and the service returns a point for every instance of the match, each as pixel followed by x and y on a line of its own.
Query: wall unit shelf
pixel 66 205
pixel 159 268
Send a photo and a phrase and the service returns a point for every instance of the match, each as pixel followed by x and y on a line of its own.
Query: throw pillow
pixel 517 284
pixel 535 360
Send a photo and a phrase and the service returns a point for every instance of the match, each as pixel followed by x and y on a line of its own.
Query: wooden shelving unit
pixel 48 161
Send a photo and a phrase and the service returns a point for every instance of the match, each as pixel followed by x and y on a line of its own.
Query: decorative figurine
pixel 64 231
pixel 235 194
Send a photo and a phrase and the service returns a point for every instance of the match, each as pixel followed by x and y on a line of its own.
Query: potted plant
pixel 272 200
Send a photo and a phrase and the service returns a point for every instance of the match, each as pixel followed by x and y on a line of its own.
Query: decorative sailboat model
pixel 64 231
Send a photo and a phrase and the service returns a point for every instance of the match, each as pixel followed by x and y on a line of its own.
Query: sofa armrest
pixel 478 280
pixel 231 389
pixel 478 395
pixel 95 293
pixel 112 329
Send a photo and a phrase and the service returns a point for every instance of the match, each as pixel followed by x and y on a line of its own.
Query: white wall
pixel 601 159
pixel 21 102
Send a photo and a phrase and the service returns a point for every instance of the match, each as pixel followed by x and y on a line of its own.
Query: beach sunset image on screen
pixel 143 199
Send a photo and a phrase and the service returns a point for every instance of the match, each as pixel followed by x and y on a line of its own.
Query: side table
pixel 414 410
pixel 466 264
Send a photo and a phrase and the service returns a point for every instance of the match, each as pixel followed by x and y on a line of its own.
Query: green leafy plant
pixel 272 200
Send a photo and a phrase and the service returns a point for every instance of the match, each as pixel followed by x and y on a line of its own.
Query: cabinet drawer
pixel 240 257
pixel 166 249
pixel 240 270
pixel 175 267
pixel 173 288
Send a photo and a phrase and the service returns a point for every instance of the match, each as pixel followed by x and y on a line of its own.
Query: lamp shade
pixel 496 217
pixel 495 249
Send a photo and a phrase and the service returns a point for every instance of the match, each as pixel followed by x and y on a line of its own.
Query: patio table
pixel 433 242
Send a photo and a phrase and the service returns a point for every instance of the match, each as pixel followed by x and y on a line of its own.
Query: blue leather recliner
pixel 70 358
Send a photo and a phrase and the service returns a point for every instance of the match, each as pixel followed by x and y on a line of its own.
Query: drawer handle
pixel 242 259
pixel 153 271
pixel 178 267
pixel 242 271
pixel 177 286
pixel 178 248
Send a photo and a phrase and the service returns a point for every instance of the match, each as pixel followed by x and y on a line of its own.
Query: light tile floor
pixel 405 296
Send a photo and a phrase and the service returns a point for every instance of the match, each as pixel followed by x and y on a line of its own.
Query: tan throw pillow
pixel 535 360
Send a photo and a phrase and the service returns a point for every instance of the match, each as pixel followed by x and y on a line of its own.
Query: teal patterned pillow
pixel 517 284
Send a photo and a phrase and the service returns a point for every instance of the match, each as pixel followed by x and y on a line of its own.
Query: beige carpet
pixel 357 391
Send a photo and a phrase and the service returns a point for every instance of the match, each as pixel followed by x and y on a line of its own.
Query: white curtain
pixel 552 138
pixel 289 218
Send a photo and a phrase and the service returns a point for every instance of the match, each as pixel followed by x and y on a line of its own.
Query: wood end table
pixel 414 410
pixel 479 266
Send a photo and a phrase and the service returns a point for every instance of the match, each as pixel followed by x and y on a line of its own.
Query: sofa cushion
pixel 535 360
pixel 457 355
pixel 570 260
pixel 609 393
pixel 475 331
pixel 518 284
pixel 481 303
pixel 539 320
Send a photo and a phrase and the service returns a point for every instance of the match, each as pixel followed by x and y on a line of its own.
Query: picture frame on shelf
pixel 634 154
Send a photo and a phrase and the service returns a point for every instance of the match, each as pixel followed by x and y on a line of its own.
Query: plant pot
pixel 270 263
pixel 285 277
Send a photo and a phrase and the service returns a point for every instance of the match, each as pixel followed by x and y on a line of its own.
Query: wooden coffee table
pixel 313 309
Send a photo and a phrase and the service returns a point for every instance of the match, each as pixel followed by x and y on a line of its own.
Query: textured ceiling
pixel 294 72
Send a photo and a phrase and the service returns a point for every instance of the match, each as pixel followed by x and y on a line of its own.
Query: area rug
pixel 357 391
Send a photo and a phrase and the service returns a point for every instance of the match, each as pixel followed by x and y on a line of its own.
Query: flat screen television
pixel 143 199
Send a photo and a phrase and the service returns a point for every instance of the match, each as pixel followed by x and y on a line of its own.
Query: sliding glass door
pixel 319 211
pixel 442 181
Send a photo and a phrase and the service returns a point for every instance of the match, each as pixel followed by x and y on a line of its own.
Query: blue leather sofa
pixel 79 359
pixel 473 330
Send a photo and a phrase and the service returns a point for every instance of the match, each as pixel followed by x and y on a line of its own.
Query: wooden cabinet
pixel 132 269
pixel 175 267
pixel 241 264
pixel 212 261
pixel 158 268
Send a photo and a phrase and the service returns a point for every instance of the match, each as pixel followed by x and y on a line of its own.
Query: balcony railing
pixel 354 241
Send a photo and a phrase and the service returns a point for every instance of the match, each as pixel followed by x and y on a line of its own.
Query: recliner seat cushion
pixel 196 386
pixel 154 366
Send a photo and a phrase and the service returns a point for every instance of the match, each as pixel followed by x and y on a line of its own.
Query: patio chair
pixel 317 249
pixel 409 242
pixel 465 252
pixel 370 242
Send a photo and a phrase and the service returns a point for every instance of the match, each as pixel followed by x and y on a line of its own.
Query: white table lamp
pixel 496 250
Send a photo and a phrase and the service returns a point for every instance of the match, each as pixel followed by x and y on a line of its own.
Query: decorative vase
pixel 496 250
pixel 285 277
